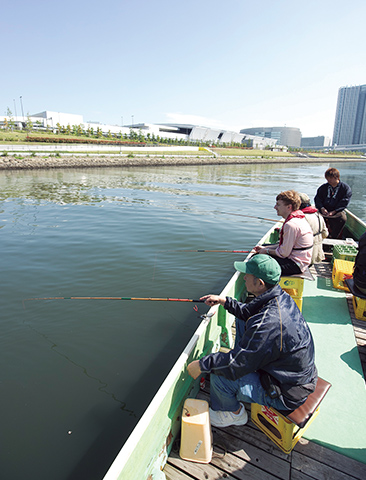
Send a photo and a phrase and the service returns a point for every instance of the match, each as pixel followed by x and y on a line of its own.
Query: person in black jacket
pixel 359 272
pixel 272 362
pixel 331 199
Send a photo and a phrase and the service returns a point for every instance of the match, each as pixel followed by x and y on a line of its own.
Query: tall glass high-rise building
pixel 350 120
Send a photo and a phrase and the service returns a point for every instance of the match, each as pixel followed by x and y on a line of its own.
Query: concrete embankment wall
pixel 10 162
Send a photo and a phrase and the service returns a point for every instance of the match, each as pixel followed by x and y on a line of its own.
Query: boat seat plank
pixel 302 414
pixel 336 241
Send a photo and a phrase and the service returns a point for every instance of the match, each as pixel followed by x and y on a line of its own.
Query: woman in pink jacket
pixel 294 250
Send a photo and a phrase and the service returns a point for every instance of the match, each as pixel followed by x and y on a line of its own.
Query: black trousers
pixel 335 224
pixel 288 266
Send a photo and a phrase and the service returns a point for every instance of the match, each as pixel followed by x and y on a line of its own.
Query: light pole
pixel 15 108
pixel 21 104
pixel 122 121
pixel 132 120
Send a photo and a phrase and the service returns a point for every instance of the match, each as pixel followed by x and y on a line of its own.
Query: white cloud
pixel 318 123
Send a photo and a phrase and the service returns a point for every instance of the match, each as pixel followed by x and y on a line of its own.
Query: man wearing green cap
pixel 272 362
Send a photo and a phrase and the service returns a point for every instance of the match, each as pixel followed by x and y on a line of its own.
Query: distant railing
pixel 65 147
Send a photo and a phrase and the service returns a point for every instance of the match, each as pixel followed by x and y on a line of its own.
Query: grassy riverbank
pixel 241 152
pixel 72 156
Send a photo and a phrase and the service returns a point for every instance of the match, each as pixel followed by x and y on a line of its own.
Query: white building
pixel 315 142
pixel 194 133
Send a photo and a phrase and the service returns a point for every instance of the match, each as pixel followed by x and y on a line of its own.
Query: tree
pixel 29 123
pixel 133 134
pixel 9 113
pixel 141 137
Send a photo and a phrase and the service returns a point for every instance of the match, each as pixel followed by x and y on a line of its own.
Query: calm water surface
pixel 77 375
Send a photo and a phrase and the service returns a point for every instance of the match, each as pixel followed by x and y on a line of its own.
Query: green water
pixel 77 375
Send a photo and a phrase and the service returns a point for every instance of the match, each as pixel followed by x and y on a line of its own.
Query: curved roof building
pixel 287 136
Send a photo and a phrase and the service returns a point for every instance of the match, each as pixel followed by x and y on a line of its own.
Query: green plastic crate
pixel 344 252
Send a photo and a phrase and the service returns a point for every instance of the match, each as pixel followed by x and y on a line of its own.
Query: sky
pixel 229 64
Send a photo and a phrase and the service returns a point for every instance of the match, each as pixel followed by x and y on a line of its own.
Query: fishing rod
pixel 120 298
pixel 251 216
pixel 200 251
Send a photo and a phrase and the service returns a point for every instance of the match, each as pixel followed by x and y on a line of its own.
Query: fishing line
pixel 251 216
pixel 156 258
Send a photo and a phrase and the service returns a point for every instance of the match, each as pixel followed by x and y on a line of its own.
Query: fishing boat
pixel 334 446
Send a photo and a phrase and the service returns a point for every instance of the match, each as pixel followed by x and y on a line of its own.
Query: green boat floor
pixel 341 423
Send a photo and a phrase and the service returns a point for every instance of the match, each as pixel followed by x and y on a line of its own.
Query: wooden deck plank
pixel 243 470
pixel 360 334
pixel 333 459
pixel 173 473
pixel 317 469
pixel 229 466
pixel 296 475
pixel 200 471
pixel 251 453
pixel 359 328
pixel 256 437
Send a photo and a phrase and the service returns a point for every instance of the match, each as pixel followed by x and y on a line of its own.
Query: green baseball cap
pixel 261 266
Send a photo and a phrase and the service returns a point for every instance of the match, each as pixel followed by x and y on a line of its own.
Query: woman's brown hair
pixel 290 197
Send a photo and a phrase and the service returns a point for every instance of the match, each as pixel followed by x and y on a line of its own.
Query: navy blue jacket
pixel 277 340
pixel 339 201
pixel 359 273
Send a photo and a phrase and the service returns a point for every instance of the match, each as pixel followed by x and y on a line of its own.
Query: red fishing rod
pixel 120 298
pixel 220 251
